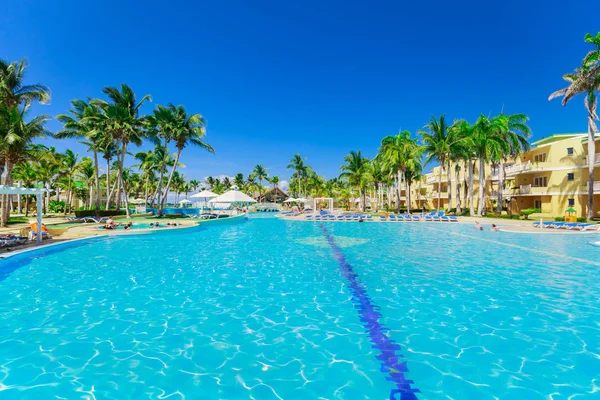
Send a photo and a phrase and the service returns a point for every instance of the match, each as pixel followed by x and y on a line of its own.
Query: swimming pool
pixel 273 309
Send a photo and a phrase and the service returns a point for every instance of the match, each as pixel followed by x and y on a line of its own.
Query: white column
pixel 19 198
pixel 39 200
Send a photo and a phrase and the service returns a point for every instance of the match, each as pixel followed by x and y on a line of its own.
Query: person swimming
pixel 478 226
pixel 494 228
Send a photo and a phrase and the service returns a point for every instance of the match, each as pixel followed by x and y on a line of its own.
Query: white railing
pixel 525 189
pixel 514 169
pixel 596 186
pixel 431 179
pixel 596 158
pixel 505 192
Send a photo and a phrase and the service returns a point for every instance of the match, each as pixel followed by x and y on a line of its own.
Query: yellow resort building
pixel 552 176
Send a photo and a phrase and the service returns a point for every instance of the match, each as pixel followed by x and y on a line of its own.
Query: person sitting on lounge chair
pixel 34 227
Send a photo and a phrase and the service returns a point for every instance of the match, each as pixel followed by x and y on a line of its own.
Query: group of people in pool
pixel 478 226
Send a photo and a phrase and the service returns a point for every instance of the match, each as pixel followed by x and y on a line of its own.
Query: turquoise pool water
pixel 270 309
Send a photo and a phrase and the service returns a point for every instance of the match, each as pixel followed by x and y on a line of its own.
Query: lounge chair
pixel 11 240
pixel 369 218
pixel 452 218
pixel 557 225
pixel 415 217
pixel 437 217
pixel 544 224
pixel 309 217
pixel 382 218
pixel 392 218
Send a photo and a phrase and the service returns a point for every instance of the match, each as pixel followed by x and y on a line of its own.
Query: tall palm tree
pixel 239 181
pixel 194 185
pixel 297 163
pixel 464 150
pixel 440 142
pixel 13 91
pixel 18 133
pixel 148 164
pixel 516 133
pixel 122 121
pixel 586 80
pixel 395 153
pixel 78 124
pixel 260 173
pixel 188 130
pixel 357 172
pixel 489 143
pixel 70 165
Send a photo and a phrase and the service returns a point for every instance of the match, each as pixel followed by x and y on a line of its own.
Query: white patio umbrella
pixel 233 196
pixel 137 201
pixel 205 194
pixel 290 200
pixel 185 201
pixel 301 200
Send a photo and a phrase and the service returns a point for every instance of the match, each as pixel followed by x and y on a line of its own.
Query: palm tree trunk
pixel 399 181
pixel 466 187
pixel 121 183
pixel 500 187
pixel 97 179
pixel 67 202
pixel 163 166
pixel 591 158
pixel 458 205
pixel 5 215
pixel 471 205
pixel 27 205
pixel 146 194
pixel 109 194
pixel 439 199
pixel 407 191
pixel 170 178
pixel 481 207
pixel 449 177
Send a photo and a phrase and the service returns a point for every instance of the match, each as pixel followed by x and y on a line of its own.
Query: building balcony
pixel 596 185
pixel 518 168
pixel 505 192
pixel 596 159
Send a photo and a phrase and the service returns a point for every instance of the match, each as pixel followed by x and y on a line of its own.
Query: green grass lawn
pixel 18 220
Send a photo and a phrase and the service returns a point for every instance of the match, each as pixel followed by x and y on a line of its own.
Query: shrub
pixel 56 206
pixel 581 219
pixel 515 216
pixel 559 219
pixel 526 212
pixel 100 213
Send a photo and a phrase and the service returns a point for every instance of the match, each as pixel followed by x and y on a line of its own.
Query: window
pixel 571 202
pixel 539 157
pixel 537 204
pixel 570 176
pixel 540 181
pixel 569 151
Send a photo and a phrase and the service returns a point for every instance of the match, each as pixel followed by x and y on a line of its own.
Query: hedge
pixel 100 213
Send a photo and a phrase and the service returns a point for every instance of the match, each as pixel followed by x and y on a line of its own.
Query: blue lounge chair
pixel 392 218
pixel 309 217
pixel 453 218
pixel 382 218
pixel 416 218
pixel 369 218
pixel 340 217
pixel 544 224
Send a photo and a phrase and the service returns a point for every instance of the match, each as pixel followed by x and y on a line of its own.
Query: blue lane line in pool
pixel 369 314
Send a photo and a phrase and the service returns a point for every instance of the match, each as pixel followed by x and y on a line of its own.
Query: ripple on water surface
pixel 261 310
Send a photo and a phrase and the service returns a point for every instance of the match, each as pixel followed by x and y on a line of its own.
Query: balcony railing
pixel 524 189
pixel 505 192
pixel 596 186
pixel 516 168
pixel 596 159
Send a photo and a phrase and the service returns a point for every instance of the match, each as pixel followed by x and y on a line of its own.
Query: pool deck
pixel 87 230
pixel 504 225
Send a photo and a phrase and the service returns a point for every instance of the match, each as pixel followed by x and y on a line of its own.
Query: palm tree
pixel 70 166
pixel 239 181
pixel 121 120
pixel 17 134
pixel 297 163
pixel 395 153
pixel 194 184
pixel 440 142
pixel 148 164
pixel 516 134
pixel 260 173
pixel 357 172
pixel 464 150
pixel 86 175
pixel 13 92
pixel 188 129
pixel 488 143
pixel 586 80
pixel 25 173
pixel 75 127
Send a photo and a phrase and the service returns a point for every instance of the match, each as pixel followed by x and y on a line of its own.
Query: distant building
pixel 274 195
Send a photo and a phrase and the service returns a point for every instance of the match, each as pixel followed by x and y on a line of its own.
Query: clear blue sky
pixel 320 78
